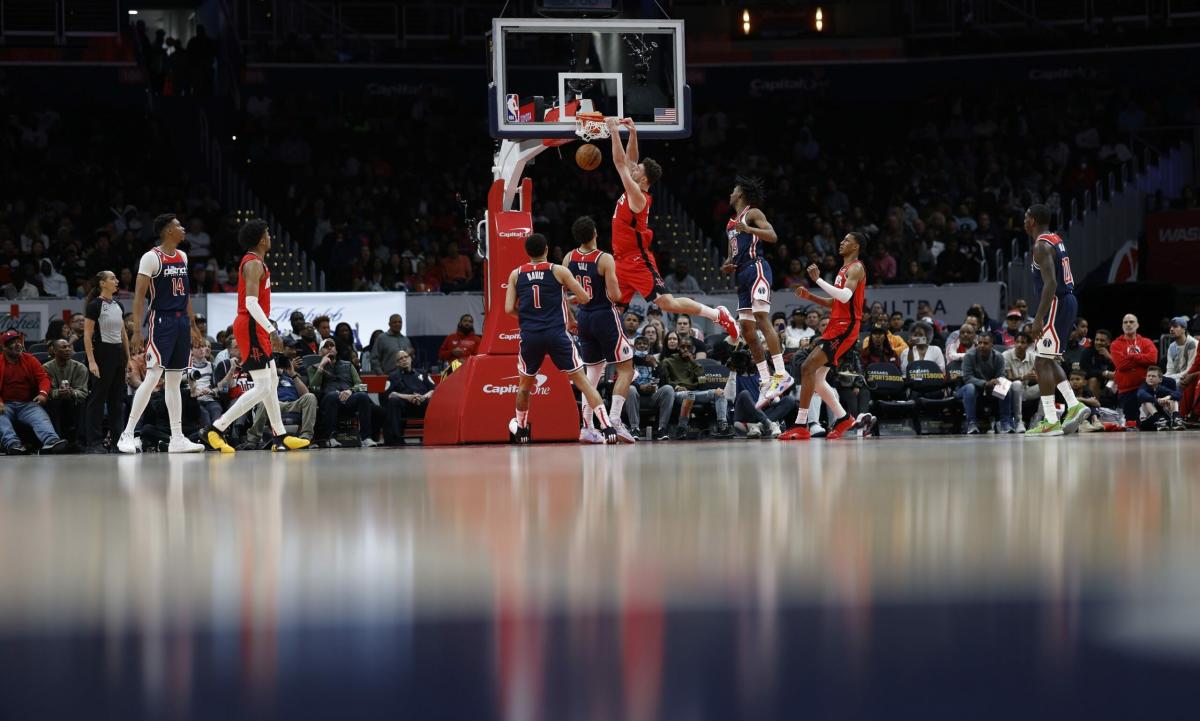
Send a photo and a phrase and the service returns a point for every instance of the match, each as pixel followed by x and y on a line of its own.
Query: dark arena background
pixel 896 346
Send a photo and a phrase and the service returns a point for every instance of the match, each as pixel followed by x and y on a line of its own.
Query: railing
pixel 60 19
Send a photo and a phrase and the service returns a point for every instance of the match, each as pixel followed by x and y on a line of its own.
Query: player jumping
pixel 254 333
pixel 845 320
pixel 631 235
pixel 171 333
pixel 601 335
pixel 747 227
pixel 534 295
pixel 1052 324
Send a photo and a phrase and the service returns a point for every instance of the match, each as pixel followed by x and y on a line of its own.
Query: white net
pixel 590 127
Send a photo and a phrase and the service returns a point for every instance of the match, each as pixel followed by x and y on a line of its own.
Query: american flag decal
pixel 665 115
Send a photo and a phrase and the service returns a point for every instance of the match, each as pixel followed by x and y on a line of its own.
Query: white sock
pixel 802 417
pixel 1068 393
pixel 618 402
pixel 829 395
pixel 594 374
pixel 141 397
pixel 814 409
pixel 246 401
pixel 777 361
pixel 1048 410
pixel 602 416
pixel 174 402
pixel 271 402
pixel 707 312
pixel 764 373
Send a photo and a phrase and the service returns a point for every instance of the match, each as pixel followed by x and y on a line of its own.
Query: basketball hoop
pixel 590 126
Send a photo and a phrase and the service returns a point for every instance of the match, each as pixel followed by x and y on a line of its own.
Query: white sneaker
pixel 128 443
pixel 1020 426
pixel 774 429
pixel 591 435
pixel 741 427
pixel 179 444
pixel 369 443
pixel 865 423
pixel 816 430
pixel 780 383
pixel 754 430
pixel 623 434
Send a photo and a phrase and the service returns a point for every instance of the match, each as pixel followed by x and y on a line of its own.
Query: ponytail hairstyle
pixel 95 292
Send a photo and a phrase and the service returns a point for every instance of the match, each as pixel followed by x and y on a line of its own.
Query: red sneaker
pixel 726 321
pixel 840 428
pixel 799 433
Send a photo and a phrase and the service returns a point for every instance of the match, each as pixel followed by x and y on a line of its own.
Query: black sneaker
pixel 216 440
pixel 56 447
pixel 610 435
pixel 663 435
pixel 16 449
pixel 96 451
pixel 723 431
pixel 522 437
pixel 680 434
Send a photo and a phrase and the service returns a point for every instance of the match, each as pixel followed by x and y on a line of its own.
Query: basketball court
pixel 995 577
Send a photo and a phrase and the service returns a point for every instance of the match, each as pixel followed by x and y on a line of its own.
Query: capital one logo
pixel 515 233
pixel 511 388
pixel 510 336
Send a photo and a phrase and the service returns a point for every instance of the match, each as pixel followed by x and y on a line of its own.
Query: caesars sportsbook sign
pixel 365 312
pixel 1173 246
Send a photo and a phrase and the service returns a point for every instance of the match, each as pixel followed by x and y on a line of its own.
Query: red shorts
pixel 839 337
pixel 638 274
pixel 253 341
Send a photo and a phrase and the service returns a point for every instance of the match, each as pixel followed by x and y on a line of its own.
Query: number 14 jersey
pixel 169 283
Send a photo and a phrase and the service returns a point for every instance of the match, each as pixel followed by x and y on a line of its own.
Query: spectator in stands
pixel 53 283
pixel 953 266
pixel 743 387
pixel 958 346
pixel 919 348
pixel 1182 350
pixel 107 347
pixel 1097 365
pixel 1023 306
pixel 321 324
pixel 896 327
pixel 347 346
pixel 877 348
pixel 386 345
pixel 456 269
pixel 68 390
pixel 798 334
pixel 307 343
pixel 338 386
pixel 685 329
pixel 19 288
pixel 632 322
pixel 202 326
pixel 1132 354
pixel 1012 328
pixel 294 397
pixel 56 329
pixel 683 373
pixel 77 328
pixel 982 367
pixel 1079 335
pixel 680 282
pixel 883 266
pixel 203 282
pixel 462 343
pixel 653 337
pixel 646 387
pixel 408 394
pixel 202 386
pixel 24 390
pixel 198 243
pixel 1159 403
pixel 1018 368
pixel 296 320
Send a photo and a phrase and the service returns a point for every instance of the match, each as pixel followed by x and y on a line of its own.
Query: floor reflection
pixel 657 582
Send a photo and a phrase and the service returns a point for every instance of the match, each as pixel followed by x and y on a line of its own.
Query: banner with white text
pixel 365 312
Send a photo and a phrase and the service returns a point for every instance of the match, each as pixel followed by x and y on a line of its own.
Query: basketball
pixel 588 156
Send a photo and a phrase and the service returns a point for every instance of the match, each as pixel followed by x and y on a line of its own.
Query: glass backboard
pixel 543 71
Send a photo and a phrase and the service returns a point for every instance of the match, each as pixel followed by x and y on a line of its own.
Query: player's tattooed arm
pixel 757 225
pixel 510 294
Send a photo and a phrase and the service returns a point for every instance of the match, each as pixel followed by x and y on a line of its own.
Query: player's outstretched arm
pixel 608 268
pixel 634 196
pixel 564 276
pixel 631 145
pixel 510 294
pixel 757 225
pixel 806 294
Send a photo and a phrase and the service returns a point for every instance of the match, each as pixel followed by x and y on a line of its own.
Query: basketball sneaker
pixel 840 427
pixel 610 436
pixel 779 384
pixel 865 423
pixel 1045 428
pixel 754 430
pixel 1075 415
pixel 129 443
pixel 773 429
pixel 215 440
pixel 623 434
pixel 590 435
pixel 288 442
pixel 795 434
pixel 726 321
pixel 520 436
pixel 179 444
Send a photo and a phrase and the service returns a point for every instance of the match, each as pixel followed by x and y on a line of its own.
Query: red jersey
pixel 631 234
pixel 849 312
pixel 264 286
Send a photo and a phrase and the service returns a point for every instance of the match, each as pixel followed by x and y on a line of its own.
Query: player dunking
pixel 631 235
pixel 845 320
pixel 254 332
pixel 601 336
pixel 1052 324
pixel 534 295
pixel 171 334
pixel 747 227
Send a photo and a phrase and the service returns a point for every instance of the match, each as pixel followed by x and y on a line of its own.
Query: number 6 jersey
pixel 169 282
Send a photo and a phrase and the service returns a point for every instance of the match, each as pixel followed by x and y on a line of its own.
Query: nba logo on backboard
pixel 512 107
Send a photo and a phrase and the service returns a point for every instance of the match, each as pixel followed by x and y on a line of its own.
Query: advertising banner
pixel 365 312
pixel 1172 246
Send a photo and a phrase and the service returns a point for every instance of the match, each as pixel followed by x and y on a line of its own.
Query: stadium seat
pixel 41 355
pixel 309 361
pixel 890 400
pixel 37 348
pixel 938 411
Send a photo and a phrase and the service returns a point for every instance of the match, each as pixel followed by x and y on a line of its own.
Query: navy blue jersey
pixel 540 299
pixel 169 285
pixel 744 248
pixel 1062 267
pixel 586 269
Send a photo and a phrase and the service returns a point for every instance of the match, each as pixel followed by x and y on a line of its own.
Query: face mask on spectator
pixel 639 354
pixel 919 339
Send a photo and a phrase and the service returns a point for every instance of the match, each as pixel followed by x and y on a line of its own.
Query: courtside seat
pixel 938 411
pixel 889 397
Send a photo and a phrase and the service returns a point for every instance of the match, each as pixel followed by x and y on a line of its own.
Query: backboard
pixel 543 70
